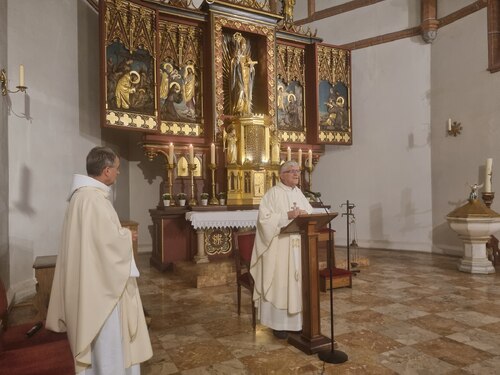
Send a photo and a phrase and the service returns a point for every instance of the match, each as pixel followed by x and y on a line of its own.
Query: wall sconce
pixel 3 81
pixel 454 128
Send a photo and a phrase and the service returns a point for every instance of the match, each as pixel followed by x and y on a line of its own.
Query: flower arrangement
pixel 181 196
pixel 204 195
pixel 222 195
pixel 166 196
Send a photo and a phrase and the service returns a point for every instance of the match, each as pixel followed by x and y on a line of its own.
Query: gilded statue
pixel 275 147
pixel 231 146
pixel 242 77
pixel 189 90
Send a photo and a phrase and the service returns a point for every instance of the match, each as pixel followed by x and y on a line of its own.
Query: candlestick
pixel 191 154
pixel 21 75
pixel 171 153
pixel 288 154
pixel 488 175
pixel 300 158
pixel 310 159
pixel 192 168
pixel 212 154
pixel 213 200
pixel 170 168
pixel 449 124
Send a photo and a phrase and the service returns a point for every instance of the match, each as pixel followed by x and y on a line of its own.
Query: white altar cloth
pixel 227 219
pixel 222 219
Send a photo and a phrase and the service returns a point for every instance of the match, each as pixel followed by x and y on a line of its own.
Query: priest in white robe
pixel 276 258
pixel 95 298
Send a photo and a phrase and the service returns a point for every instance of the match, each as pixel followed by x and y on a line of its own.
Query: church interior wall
pixel 386 172
pixel 4 157
pixel 402 172
pixel 463 90
pixel 53 127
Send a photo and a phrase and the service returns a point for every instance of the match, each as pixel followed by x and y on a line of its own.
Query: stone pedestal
pixel 475 259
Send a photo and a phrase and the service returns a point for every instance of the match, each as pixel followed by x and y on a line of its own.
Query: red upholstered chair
pixel 243 246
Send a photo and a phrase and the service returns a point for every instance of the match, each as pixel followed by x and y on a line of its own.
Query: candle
pixel 21 75
pixel 488 175
pixel 288 154
pixel 191 154
pixel 310 159
pixel 300 157
pixel 212 154
pixel 449 124
pixel 171 153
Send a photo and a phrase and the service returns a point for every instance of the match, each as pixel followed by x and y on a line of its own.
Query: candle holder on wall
pixel 213 200
pixel 192 168
pixel 3 83
pixel 454 128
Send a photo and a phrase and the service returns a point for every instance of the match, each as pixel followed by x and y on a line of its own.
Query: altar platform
pixel 222 271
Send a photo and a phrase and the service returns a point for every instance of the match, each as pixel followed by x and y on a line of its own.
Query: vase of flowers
pixel 222 198
pixel 166 199
pixel 182 199
pixel 204 199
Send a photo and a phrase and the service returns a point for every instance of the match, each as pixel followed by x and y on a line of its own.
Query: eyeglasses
pixel 294 171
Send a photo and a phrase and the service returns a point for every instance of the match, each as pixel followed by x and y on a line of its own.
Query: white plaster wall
pixel 387 171
pixel 4 158
pixel 53 127
pixel 381 18
pixel 463 90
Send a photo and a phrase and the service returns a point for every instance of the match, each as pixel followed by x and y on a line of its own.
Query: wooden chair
pixel 341 278
pixel 243 246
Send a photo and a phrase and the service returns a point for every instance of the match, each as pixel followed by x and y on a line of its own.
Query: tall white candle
pixel 488 175
pixel 171 153
pixel 310 158
pixel 212 153
pixel 191 154
pixel 449 124
pixel 21 75
pixel 300 157
pixel 288 154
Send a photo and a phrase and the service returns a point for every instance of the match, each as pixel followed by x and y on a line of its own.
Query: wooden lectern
pixel 311 340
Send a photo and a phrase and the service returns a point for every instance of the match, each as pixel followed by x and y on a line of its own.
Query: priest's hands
pixel 292 214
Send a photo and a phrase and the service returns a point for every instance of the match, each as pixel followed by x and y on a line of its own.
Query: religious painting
pixel 333 104
pixel 290 98
pixel 290 105
pixel 129 66
pixel 334 95
pixel 180 79
pixel 130 79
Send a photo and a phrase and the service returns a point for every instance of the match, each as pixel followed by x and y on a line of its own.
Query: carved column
pixel 201 256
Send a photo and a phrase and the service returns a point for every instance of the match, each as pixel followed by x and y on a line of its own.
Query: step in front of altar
pixel 215 273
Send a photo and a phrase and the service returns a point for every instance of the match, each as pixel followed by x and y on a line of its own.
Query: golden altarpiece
pixel 223 93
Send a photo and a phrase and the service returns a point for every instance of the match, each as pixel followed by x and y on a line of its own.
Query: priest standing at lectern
pixel 276 258
pixel 94 295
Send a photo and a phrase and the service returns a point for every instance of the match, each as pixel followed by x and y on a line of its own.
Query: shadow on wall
pixel 446 239
pixel 377 223
pixel 23 203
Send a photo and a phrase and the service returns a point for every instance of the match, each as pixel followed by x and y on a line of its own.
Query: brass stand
pixel 213 200
pixel 170 169
pixel 192 201
pixel 488 198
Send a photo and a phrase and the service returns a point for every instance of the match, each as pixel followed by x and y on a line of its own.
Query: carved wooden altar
pixel 223 93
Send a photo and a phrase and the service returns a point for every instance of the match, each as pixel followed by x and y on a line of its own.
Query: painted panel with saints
pixel 290 99
pixel 129 66
pixel 180 79
pixel 334 86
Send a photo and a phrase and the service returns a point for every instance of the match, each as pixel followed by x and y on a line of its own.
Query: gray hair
pixel 98 159
pixel 288 165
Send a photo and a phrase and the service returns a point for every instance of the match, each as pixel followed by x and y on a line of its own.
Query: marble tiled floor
pixel 407 313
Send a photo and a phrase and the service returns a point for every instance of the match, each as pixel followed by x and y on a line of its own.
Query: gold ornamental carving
pixel 218 241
